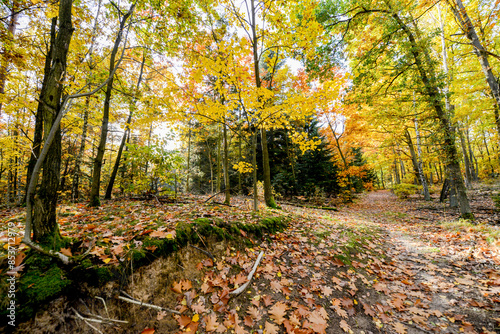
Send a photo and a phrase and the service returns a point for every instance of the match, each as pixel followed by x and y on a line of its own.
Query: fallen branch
pixel 249 277
pixel 207 253
pixel 154 307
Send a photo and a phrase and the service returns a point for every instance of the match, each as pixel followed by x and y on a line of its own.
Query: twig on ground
pixel 207 253
pixel 127 295
pixel 105 306
pixel 154 307
pixel 86 320
pixel 249 277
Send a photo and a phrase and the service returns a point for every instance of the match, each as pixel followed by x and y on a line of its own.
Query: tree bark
pixel 75 194
pixel 468 28
pixel 420 165
pixel 468 175
pixel 38 135
pixel 431 90
pixel 7 49
pixel 226 166
pixel 44 219
pixel 96 176
pixel 126 132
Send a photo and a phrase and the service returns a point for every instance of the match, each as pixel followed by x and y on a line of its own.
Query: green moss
pixel 42 281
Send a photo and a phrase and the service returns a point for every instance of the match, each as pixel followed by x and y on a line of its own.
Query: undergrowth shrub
pixel 404 190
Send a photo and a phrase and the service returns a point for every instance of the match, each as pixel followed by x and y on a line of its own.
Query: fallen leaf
pixel 271 328
pixel 400 328
pixel 278 312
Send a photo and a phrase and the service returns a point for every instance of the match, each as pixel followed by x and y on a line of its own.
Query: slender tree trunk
pixel 240 158
pixel 133 102
pixel 96 176
pixel 188 172
pixel 417 163
pixel 226 166
pixel 468 175
pixel 38 135
pixel 432 92
pixel 472 158
pixel 468 28
pixel 268 195
pixel 45 226
pixel 7 49
pixel 423 180
pixel 211 167
pixel 254 173
pixel 75 194
pixel 219 171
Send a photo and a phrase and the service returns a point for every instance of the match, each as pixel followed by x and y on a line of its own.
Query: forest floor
pixel 378 265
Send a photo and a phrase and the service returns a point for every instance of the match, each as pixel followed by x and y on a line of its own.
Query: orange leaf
pixel 148 331
pixel 400 329
pixel 66 251
pixel 177 287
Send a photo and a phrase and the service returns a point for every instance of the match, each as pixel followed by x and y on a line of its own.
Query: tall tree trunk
pixel 96 176
pixel 417 165
pixel 431 90
pixel 38 135
pixel 468 175
pixel 254 172
pixel 423 180
pixel 75 194
pixel 219 170
pixel 133 102
pixel 468 28
pixel 268 195
pixel 45 226
pixel 188 172
pixel 7 49
pixel 226 167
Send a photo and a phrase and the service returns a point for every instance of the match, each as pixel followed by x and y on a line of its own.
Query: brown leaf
pixel 183 320
pixel 248 321
pixel 177 287
pixel 66 251
pixel 186 285
pixel 199 307
pixel 254 313
pixel 271 328
pixel 276 286
pixel 400 329
pixel 278 312
pixel 267 300
pixel 20 258
pixel 211 323
pixel 345 326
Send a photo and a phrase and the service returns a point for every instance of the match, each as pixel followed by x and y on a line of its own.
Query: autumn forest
pixel 266 147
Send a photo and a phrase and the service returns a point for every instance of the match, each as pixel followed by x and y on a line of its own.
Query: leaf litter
pixel 369 268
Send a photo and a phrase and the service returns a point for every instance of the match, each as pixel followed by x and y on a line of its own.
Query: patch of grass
pixel 491 233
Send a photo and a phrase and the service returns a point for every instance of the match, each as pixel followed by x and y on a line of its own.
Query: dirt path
pixel 455 277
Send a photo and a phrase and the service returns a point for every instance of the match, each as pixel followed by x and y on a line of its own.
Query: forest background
pixel 387 94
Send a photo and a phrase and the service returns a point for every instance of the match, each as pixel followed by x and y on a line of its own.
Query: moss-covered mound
pixel 44 279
